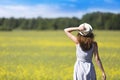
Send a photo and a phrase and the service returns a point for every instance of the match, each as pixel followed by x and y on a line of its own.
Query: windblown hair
pixel 86 41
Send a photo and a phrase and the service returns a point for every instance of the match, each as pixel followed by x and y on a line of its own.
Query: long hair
pixel 85 41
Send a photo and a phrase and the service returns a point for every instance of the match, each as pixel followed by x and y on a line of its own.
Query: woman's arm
pixel 98 61
pixel 70 35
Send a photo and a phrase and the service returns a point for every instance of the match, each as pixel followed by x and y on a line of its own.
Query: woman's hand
pixel 81 28
pixel 103 76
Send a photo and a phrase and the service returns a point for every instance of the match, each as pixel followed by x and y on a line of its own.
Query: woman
pixel 86 47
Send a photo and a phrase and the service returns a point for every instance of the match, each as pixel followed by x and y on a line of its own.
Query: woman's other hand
pixel 103 76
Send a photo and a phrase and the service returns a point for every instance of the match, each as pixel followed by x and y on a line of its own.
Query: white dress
pixel 84 68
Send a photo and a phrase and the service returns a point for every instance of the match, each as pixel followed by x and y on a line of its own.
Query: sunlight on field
pixel 50 55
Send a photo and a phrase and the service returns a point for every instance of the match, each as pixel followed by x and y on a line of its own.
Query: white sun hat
pixel 88 29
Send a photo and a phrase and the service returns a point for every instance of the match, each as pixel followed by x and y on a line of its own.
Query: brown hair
pixel 85 41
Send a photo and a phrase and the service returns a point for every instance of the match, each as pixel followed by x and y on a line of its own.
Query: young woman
pixel 86 47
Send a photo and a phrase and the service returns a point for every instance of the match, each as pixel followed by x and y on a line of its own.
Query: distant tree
pixel 1 23
pixel 23 24
pixel 74 21
pixel 7 25
pixel 31 24
pixel 115 22
pixel 99 20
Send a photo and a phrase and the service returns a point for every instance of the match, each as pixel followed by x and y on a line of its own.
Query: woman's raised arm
pixel 70 35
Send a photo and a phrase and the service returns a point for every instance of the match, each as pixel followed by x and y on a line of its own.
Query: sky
pixel 55 8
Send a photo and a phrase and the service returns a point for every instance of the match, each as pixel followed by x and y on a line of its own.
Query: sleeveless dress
pixel 84 68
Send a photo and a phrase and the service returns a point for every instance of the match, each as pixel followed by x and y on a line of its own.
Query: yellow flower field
pixel 50 55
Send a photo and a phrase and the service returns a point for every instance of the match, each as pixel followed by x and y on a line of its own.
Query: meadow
pixel 50 55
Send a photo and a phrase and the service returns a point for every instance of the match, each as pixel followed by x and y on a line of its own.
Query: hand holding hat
pixel 81 28
pixel 85 29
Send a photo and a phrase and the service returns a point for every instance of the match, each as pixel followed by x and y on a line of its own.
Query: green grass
pixel 50 55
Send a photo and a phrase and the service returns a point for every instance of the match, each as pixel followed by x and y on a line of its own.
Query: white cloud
pixel 45 11
pixel 104 10
pixel 35 11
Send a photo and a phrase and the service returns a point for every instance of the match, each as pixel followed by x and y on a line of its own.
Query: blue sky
pixel 56 8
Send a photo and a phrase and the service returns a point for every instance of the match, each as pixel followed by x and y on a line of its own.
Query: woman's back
pixel 84 69
pixel 85 56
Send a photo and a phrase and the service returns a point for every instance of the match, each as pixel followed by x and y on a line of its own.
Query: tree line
pixel 99 20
